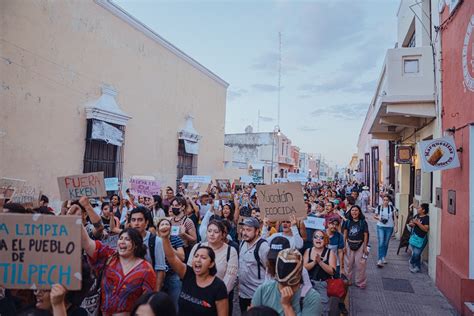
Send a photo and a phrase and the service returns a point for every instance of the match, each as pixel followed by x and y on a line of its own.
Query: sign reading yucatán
pixel 280 201
pixel 87 184
pixel 37 251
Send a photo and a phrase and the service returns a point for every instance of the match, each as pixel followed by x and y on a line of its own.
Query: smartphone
pixel 216 204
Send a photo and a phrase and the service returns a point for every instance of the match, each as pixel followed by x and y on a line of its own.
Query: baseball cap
pixel 276 245
pixel 251 222
pixel 289 267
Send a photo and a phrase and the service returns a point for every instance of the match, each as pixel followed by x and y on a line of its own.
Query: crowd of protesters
pixel 176 254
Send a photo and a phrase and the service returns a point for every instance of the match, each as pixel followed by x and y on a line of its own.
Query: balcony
pixel 405 93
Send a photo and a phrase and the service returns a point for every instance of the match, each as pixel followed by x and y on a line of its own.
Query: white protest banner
pixel 280 180
pixel 87 184
pixel 438 154
pixel 196 179
pixel 37 251
pixel 195 188
pixel 111 184
pixel 144 187
pixel 246 179
pixel 297 177
pixel 280 201
pixel 314 222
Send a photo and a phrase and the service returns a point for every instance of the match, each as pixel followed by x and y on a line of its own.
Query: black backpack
pixel 255 254
pixel 151 248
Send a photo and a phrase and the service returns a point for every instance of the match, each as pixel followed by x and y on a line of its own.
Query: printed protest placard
pixel 144 187
pixel 314 222
pixel 37 251
pixel 111 184
pixel 224 189
pixel 196 179
pixel 87 184
pixel 280 201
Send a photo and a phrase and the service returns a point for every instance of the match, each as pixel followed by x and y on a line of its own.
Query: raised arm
pixel 177 265
pixel 87 243
pixel 93 216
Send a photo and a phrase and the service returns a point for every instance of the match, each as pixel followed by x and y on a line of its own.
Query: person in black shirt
pixel 202 293
pixel 419 237
pixel 320 262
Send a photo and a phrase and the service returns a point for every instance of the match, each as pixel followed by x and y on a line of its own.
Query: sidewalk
pixel 393 289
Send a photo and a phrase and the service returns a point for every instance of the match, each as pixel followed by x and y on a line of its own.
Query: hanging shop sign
pixel 438 154
pixel 404 154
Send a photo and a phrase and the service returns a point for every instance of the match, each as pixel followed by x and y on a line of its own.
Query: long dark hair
pixel 158 202
pixel 159 302
pixel 111 197
pixel 212 256
pixel 137 241
pixel 231 213
pixel 361 215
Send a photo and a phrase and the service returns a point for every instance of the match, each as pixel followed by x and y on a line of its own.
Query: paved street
pixel 394 290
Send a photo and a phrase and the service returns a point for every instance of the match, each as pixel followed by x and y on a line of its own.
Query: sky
pixel 332 54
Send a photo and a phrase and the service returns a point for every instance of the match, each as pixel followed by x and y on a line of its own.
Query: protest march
pixel 279 249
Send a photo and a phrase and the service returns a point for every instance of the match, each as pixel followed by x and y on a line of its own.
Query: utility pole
pixel 279 76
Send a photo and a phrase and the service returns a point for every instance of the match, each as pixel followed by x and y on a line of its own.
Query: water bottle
pixel 365 256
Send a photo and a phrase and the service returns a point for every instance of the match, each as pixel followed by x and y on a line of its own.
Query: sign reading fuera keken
pixel 37 251
pixel 87 184
pixel 280 201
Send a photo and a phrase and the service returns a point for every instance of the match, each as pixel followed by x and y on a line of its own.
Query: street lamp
pixel 276 129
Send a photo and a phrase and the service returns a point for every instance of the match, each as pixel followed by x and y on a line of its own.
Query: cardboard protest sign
pixel 27 196
pixel 87 184
pixel 37 251
pixel 194 189
pixel 314 222
pixel 144 187
pixel 280 201
pixel 196 179
pixel 111 184
pixel 8 187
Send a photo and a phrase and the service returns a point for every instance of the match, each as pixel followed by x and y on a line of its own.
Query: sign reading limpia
pixel 280 201
pixel 37 251
pixel 438 154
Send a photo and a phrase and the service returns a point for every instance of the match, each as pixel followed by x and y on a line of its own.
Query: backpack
pixel 390 209
pixel 228 250
pixel 151 247
pixel 255 254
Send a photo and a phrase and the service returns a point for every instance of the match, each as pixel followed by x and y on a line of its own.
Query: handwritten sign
pixel 27 196
pixel 37 251
pixel 312 222
pixel 111 184
pixel 196 179
pixel 87 184
pixel 8 187
pixel 144 187
pixel 280 201
pixel 195 188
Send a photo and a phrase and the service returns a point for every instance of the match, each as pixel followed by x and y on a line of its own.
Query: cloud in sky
pixel 308 129
pixel 342 111
pixel 264 87
pixel 234 94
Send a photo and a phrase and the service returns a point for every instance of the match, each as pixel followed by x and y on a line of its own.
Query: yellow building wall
pixel 55 55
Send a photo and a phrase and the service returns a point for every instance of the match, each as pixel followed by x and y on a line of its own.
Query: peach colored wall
pixel 458 110
pixel 56 54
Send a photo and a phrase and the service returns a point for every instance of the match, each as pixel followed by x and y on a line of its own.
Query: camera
pixel 384 220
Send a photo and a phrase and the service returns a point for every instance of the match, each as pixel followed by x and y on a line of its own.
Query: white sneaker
pixel 384 261
pixel 414 269
pixel 380 264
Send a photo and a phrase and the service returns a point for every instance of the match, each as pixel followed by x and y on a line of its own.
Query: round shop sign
pixel 439 153
pixel 468 57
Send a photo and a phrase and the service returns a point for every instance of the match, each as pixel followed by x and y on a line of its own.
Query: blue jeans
pixel 383 235
pixel 416 252
pixel 172 286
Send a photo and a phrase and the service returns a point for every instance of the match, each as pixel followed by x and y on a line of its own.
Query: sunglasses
pixel 317 237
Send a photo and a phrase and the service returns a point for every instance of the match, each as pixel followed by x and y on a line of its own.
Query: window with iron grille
pixel 101 156
pixel 187 163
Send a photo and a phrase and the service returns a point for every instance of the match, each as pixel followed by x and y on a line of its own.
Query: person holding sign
pixel 202 293
pixel 126 275
pixel 290 232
